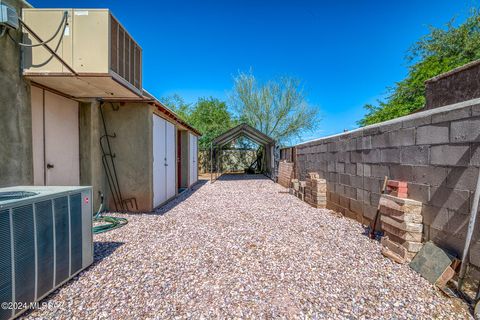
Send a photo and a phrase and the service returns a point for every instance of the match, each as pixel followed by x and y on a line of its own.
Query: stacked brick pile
pixel 285 173
pixel 301 191
pixel 313 190
pixel 298 188
pixel 401 221
pixel 294 187
pixel 316 190
pixel 397 188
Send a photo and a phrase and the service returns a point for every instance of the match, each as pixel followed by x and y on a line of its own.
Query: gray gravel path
pixel 243 247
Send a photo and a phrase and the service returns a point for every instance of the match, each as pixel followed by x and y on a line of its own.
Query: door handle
pixel 50 166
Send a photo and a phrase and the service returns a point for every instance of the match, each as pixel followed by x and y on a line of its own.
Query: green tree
pixel 212 118
pixel 277 108
pixel 176 103
pixel 437 52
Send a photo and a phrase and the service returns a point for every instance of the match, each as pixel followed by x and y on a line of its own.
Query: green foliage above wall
pixel 441 50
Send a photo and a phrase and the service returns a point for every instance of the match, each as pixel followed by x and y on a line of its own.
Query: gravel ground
pixel 244 248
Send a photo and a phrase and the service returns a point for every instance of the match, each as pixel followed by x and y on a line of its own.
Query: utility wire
pixel 63 23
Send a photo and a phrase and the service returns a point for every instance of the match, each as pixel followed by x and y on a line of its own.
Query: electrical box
pixel 8 16
pixel 107 60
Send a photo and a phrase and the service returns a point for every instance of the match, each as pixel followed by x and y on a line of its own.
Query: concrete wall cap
pixel 418 115
pixel 454 71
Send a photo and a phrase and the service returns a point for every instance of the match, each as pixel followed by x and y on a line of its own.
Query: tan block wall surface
pixel 437 152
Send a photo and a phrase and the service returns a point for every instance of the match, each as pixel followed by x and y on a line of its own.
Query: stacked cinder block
pixel 301 190
pixel 285 173
pixel 311 176
pixel 298 189
pixel 401 221
pixel 294 187
pixel 316 190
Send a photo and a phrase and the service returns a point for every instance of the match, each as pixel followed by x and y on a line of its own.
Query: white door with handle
pixel 164 161
pixel 159 172
pixel 195 159
pixel 192 157
pixel 55 139
pixel 171 158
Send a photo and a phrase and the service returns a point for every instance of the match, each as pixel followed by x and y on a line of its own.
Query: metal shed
pixel 270 154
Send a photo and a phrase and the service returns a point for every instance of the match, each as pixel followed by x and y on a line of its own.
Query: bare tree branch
pixel 278 108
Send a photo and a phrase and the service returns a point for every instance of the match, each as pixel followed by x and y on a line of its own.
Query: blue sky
pixel 346 52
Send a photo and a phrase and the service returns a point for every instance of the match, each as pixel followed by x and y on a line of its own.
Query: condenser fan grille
pixel 14 195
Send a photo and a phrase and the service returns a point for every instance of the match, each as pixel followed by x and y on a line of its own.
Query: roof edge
pixel 243 127
pixel 171 114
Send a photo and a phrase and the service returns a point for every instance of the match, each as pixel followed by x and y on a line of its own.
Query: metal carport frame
pixel 253 134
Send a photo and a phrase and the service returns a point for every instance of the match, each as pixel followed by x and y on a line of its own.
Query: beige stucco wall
pixel 16 166
pixel 91 170
pixel 132 124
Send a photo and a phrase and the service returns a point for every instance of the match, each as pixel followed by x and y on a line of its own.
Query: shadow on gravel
pixel 164 209
pixel 242 176
pixel 104 249
pixel 101 251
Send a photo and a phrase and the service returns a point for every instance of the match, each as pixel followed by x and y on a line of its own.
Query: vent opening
pixel 5 196
pixel 125 55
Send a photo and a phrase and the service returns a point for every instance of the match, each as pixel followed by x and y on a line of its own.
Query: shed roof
pixel 243 130
pixel 148 98
pixel 167 111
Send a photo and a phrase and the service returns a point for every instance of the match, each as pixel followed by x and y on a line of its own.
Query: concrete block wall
pixel 457 85
pixel 436 151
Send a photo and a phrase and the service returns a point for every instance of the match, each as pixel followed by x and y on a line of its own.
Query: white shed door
pixel 170 160
pixel 195 159
pixel 159 172
pixel 192 155
pixel 55 135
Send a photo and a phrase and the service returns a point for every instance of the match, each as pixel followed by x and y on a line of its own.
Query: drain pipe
pixel 468 239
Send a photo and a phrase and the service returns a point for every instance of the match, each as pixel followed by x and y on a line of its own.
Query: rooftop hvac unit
pixel 45 239
pixel 107 60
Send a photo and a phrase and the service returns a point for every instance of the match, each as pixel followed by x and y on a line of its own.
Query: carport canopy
pixel 242 130
pixel 245 130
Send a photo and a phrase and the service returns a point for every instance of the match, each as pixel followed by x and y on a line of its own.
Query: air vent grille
pixel 114 44
pixel 45 246
pixel 76 232
pixel 125 55
pixel 5 263
pixel 24 249
pixel 62 240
